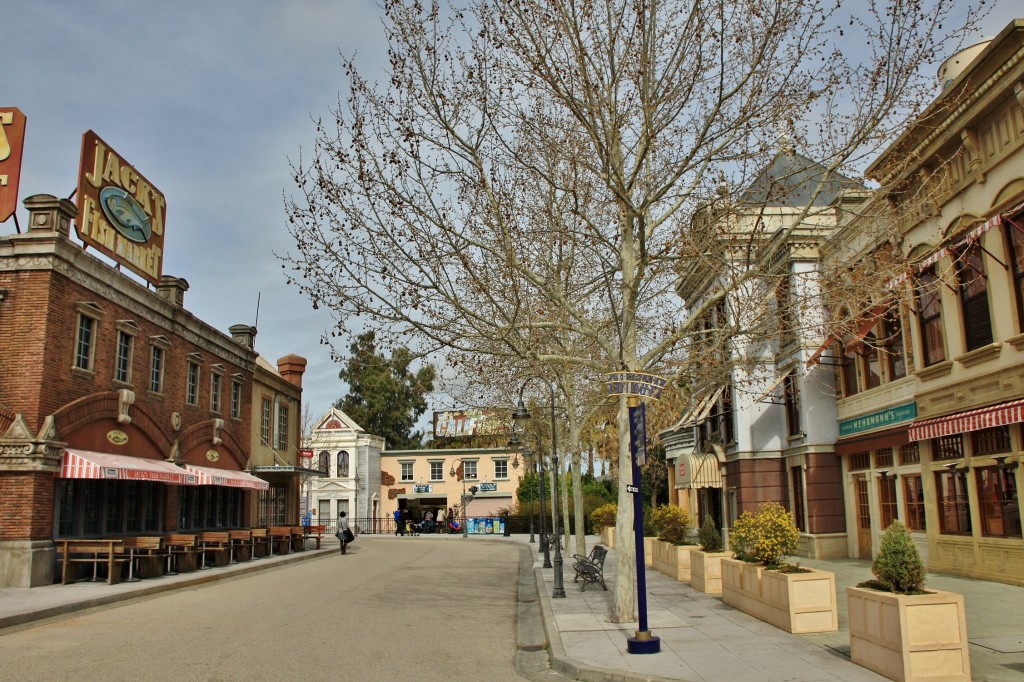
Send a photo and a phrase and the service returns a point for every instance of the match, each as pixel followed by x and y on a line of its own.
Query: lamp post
pixel 466 497
pixel 520 417
pixel 528 454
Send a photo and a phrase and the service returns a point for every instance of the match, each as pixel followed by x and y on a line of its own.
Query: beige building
pixel 930 368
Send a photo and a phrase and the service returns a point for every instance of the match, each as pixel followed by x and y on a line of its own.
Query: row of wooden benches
pixel 151 556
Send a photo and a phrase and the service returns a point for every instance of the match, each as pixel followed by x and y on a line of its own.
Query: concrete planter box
pixel 649 550
pixel 909 637
pixel 608 536
pixel 795 602
pixel 706 571
pixel 672 560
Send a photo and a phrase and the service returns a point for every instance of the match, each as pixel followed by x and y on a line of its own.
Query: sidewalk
pixel 703 639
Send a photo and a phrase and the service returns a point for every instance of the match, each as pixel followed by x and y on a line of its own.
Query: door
pixel 860 488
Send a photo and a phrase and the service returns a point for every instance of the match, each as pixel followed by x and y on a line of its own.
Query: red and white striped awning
pixel 226 477
pixel 86 464
pixel 972 420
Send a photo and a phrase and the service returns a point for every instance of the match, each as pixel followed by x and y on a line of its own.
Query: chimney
pixel 291 369
pixel 47 213
pixel 172 290
pixel 244 335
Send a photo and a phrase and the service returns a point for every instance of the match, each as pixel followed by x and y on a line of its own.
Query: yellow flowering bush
pixel 603 516
pixel 671 523
pixel 767 537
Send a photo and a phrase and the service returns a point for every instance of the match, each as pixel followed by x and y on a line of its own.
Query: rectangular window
pixel 1015 239
pixel 282 426
pixel 236 399
pixel 870 362
pixel 265 424
pixel 848 371
pixel 910 453
pixel 156 370
pixel 913 502
pixel 929 314
pixel 860 460
pixel 215 392
pixel 948 447
pixel 974 297
pixel 791 396
pixel 123 361
pixel 84 344
pixel 192 388
pixel 887 500
pixel 469 470
pixel 1000 509
pixel 895 355
pixel 798 499
pixel 95 507
pixel 437 471
pixel 991 441
pixel 500 469
pixel 883 458
pixel 407 471
pixel 954 505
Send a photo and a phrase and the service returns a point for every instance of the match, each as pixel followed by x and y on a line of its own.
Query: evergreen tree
pixel 385 396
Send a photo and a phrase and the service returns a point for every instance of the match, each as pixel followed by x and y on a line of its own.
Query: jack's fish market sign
pixel 120 213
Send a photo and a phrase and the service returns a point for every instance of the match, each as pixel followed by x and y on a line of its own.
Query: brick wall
pixel 26 505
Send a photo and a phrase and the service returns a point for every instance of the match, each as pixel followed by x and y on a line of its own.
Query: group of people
pixel 406 523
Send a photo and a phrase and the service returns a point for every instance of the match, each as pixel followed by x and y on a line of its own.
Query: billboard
pixel 120 212
pixel 473 422
pixel 12 142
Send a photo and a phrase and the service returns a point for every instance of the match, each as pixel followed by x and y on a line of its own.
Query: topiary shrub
pixel 649 528
pixel 671 523
pixel 709 537
pixel 898 566
pixel 768 537
pixel 603 516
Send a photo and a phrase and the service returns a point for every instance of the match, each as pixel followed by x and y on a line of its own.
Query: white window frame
pixel 408 472
pixel 126 330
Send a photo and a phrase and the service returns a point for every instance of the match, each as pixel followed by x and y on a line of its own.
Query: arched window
pixel 342 464
pixel 325 458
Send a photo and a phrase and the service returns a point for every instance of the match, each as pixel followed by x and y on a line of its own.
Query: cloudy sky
pixel 209 101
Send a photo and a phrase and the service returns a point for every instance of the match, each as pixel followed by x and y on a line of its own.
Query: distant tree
pixel 385 396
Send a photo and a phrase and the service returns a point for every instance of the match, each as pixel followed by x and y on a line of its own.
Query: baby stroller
pixel 412 528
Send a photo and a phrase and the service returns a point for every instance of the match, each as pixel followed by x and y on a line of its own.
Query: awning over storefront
pixel 226 477
pixel 93 465
pixel 865 325
pixel 892 438
pixel 698 471
pixel 768 392
pixel 288 470
pixel 972 420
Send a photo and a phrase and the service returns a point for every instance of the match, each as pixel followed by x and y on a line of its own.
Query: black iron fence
pixel 385 525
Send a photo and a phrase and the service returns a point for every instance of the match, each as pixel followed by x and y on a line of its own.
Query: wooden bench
pixel 313 533
pixel 183 551
pixel 241 545
pixel 260 543
pixel 280 539
pixel 298 538
pixel 107 552
pixel 590 568
pixel 148 553
pixel 217 544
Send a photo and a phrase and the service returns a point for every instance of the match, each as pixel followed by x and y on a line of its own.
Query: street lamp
pixel 466 498
pixel 520 417
pixel 513 444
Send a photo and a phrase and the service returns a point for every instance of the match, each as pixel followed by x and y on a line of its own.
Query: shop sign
pixel 876 420
pixel 12 142
pixel 488 487
pixel 421 489
pixel 120 213
pixel 117 437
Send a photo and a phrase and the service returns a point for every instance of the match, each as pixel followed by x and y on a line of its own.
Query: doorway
pixel 860 487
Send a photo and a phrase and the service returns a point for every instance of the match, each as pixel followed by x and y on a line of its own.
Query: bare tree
pixel 418 215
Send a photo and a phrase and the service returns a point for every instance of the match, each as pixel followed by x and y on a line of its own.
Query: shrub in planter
pixel 603 516
pixel 768 537
pixel 671 523
pixel 743 536
pixel 898 566
pixel 709 538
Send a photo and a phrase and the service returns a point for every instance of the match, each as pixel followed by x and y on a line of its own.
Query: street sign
pixel 632 489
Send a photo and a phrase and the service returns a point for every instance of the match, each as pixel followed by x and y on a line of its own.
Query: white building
pixel 351 458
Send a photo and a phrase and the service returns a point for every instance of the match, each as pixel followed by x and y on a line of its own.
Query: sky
pixel 209 101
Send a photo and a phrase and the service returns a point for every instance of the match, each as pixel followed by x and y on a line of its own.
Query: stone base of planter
pixel 706 571
pixel 649 550
pixel 608 536
pixel 672 560
pixel 909 637
pixel 795 602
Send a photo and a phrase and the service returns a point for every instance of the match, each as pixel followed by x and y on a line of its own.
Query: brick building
pixel 121 413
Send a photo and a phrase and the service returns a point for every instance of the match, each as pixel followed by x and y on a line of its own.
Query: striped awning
pixel 698 471
pixel 226 477
pixel 972 420
pixel 93 465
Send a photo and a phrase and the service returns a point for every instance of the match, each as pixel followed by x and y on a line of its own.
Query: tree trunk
pixel 624 598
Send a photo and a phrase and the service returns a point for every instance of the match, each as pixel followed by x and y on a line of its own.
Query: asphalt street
pixel 392 609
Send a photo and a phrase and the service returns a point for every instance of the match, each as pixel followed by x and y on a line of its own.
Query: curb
pixel 159 587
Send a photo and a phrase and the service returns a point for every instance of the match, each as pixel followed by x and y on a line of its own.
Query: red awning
pixel 867 323
pixel 86 464
pixel 890 438
pixel 972 420
pixel 227 477
pixel 816 356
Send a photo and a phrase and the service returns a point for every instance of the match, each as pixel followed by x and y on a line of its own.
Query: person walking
pixel 345 535
pixel 399 523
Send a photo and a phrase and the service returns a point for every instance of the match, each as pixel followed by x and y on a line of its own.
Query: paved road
pixel 392 609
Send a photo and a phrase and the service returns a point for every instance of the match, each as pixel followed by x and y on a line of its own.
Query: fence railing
pixel 385 525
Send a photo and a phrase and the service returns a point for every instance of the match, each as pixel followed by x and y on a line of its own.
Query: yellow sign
pixel 212 455
pixel 120 213
pixel 12 141
pixel 117 437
